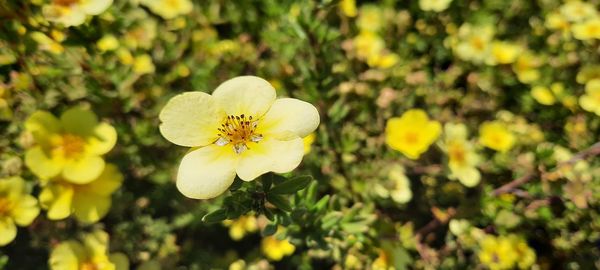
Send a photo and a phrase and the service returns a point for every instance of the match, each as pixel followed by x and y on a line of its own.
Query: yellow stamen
pixel 5 206
pixel 238 130
pixel 70 146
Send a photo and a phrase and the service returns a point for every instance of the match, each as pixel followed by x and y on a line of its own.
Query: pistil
pixel 238 130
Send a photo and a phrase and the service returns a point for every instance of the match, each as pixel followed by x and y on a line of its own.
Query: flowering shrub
pixel 179 134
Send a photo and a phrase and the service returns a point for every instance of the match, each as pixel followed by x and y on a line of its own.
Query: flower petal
pixel 58 200
pixel 89 207
pixel 95 7
pixel 42 124
pixel 270 155
pixel 247 95
pixel 289 116
pixel 83 170
pixel 109 180
pixel 41 164
pixel 103 139
pixel 8 231
pixel 206 172
pixel 79 121
pixel 26 210
pixel 66 256
pixel 191 119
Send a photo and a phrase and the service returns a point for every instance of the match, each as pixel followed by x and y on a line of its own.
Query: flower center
pixel 238 130
pixel 411 138
pixel 457 153
pixel 88 266
pixel 5 206
pixel 70 146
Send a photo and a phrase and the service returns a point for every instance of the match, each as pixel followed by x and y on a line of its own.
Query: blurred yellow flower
pixel 543 95
pixel 495 135
pixel 142 64
pixel 71 146
pixel 142 35
pixel 47 44
pixel 434 5
pixel 276 249
pixel 124 56
pixel 367 45
pixel 526 67
pixel 588 73
pixel 169 9
pixel 90 254
pixel 88 202
pixel 240 227
pixel 590 101
pixel 348 7
pixel 308 141
pixel 397 186
pixel 505 252
pixel 462 158
pixel 384 60
pixel 5 110
pixel 575 11
pixel 107 43
pixel 412 133
pixel 587 30
pixel 17 207
pixel 474 42
pixel 503 52
pixel 73 12
pixel 382 262
pixel 557 21
pixel 370 18
pixel 240 129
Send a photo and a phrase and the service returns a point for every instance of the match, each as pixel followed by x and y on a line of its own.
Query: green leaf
pixel 237 184
pixel 292 186
pixel 320 205
pixel 215 216
pixel 269 230
pixel 280 202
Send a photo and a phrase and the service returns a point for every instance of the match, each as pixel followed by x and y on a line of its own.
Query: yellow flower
pixel 474 42
pixel 142 35
pixel 142 64
pixel 107 43
pixel 590 101
pixel 575 11
pixel 397 187
pixel 369 18
pixel 505 252
pixel 240 129
pixel 588 73
pixel 526 67
pixel 587 30
pixel 463 159
pixel 367 45
pixel 503 53
pixel 5 108
pixel 557 21
pixel 74 12
pixel 348 7
pixel 382 262
pixel 89 254
pixel 543 95
pixel 47 44
pixel 434 5
pixel 495 135
pixel 124 56
pixel 384 60
pixel 240 227
pixel 276 249
pixel 88 202
pixel 169 9
pixel 412 133
pixel 71 146
pixel 17 207
pixel 308 141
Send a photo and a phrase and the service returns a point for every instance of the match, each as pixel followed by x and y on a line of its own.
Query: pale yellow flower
pixel 505 252
pixel 74 12
pixel 503 52
pixel 495 135
pixel 588 73
pixel 142 64
pixel 87 202
pixel 276 249
pixel 91 253
pixel 412 133
pixel 474 42
pixel 348 8
pixel 397 186
pixel 462 158
pixel 169 9
pixel 557 21
pixel 370 18
pixel 367 45
pixel 543 95
pixel 526 67
pixel 107 43
pixel 590 101
pixel 241 226
pixel 240 129
pixel 434 5
pixel 587 30
pixel 17 207
pixel 575 11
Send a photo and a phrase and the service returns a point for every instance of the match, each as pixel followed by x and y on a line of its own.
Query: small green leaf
pixel 320 205
pixel 269 230
pixel 292 186
pixel 280 202
pixel 215 216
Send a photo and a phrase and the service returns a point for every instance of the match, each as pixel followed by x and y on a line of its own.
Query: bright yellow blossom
pixel 526 67
pixel 142 64
pixel 348 8
pixel 240 129
pixel 557 21
pixel 495 135
pixel 587 30
pixel 276 249
pixel 240 227
pixel 412 133
pixel 90 254
pixel 590 101
pixel 17 207
pixel 107 43
pixel 543 95
pixel 88 202
pixel 434 5
pixel 575 11
pixel 369 18
pixel 71 146
pixel 503 53
pixel 74 12
pixel 169 9
pixel 505 252
pixel 462 158
pixel 368 44
pixel 474 42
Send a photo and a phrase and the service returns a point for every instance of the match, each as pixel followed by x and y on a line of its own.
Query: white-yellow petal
pixel 289 116
pixel 191 119
pixel 95 7
pixel 206 172
pixel 270 155
pixel 247 95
